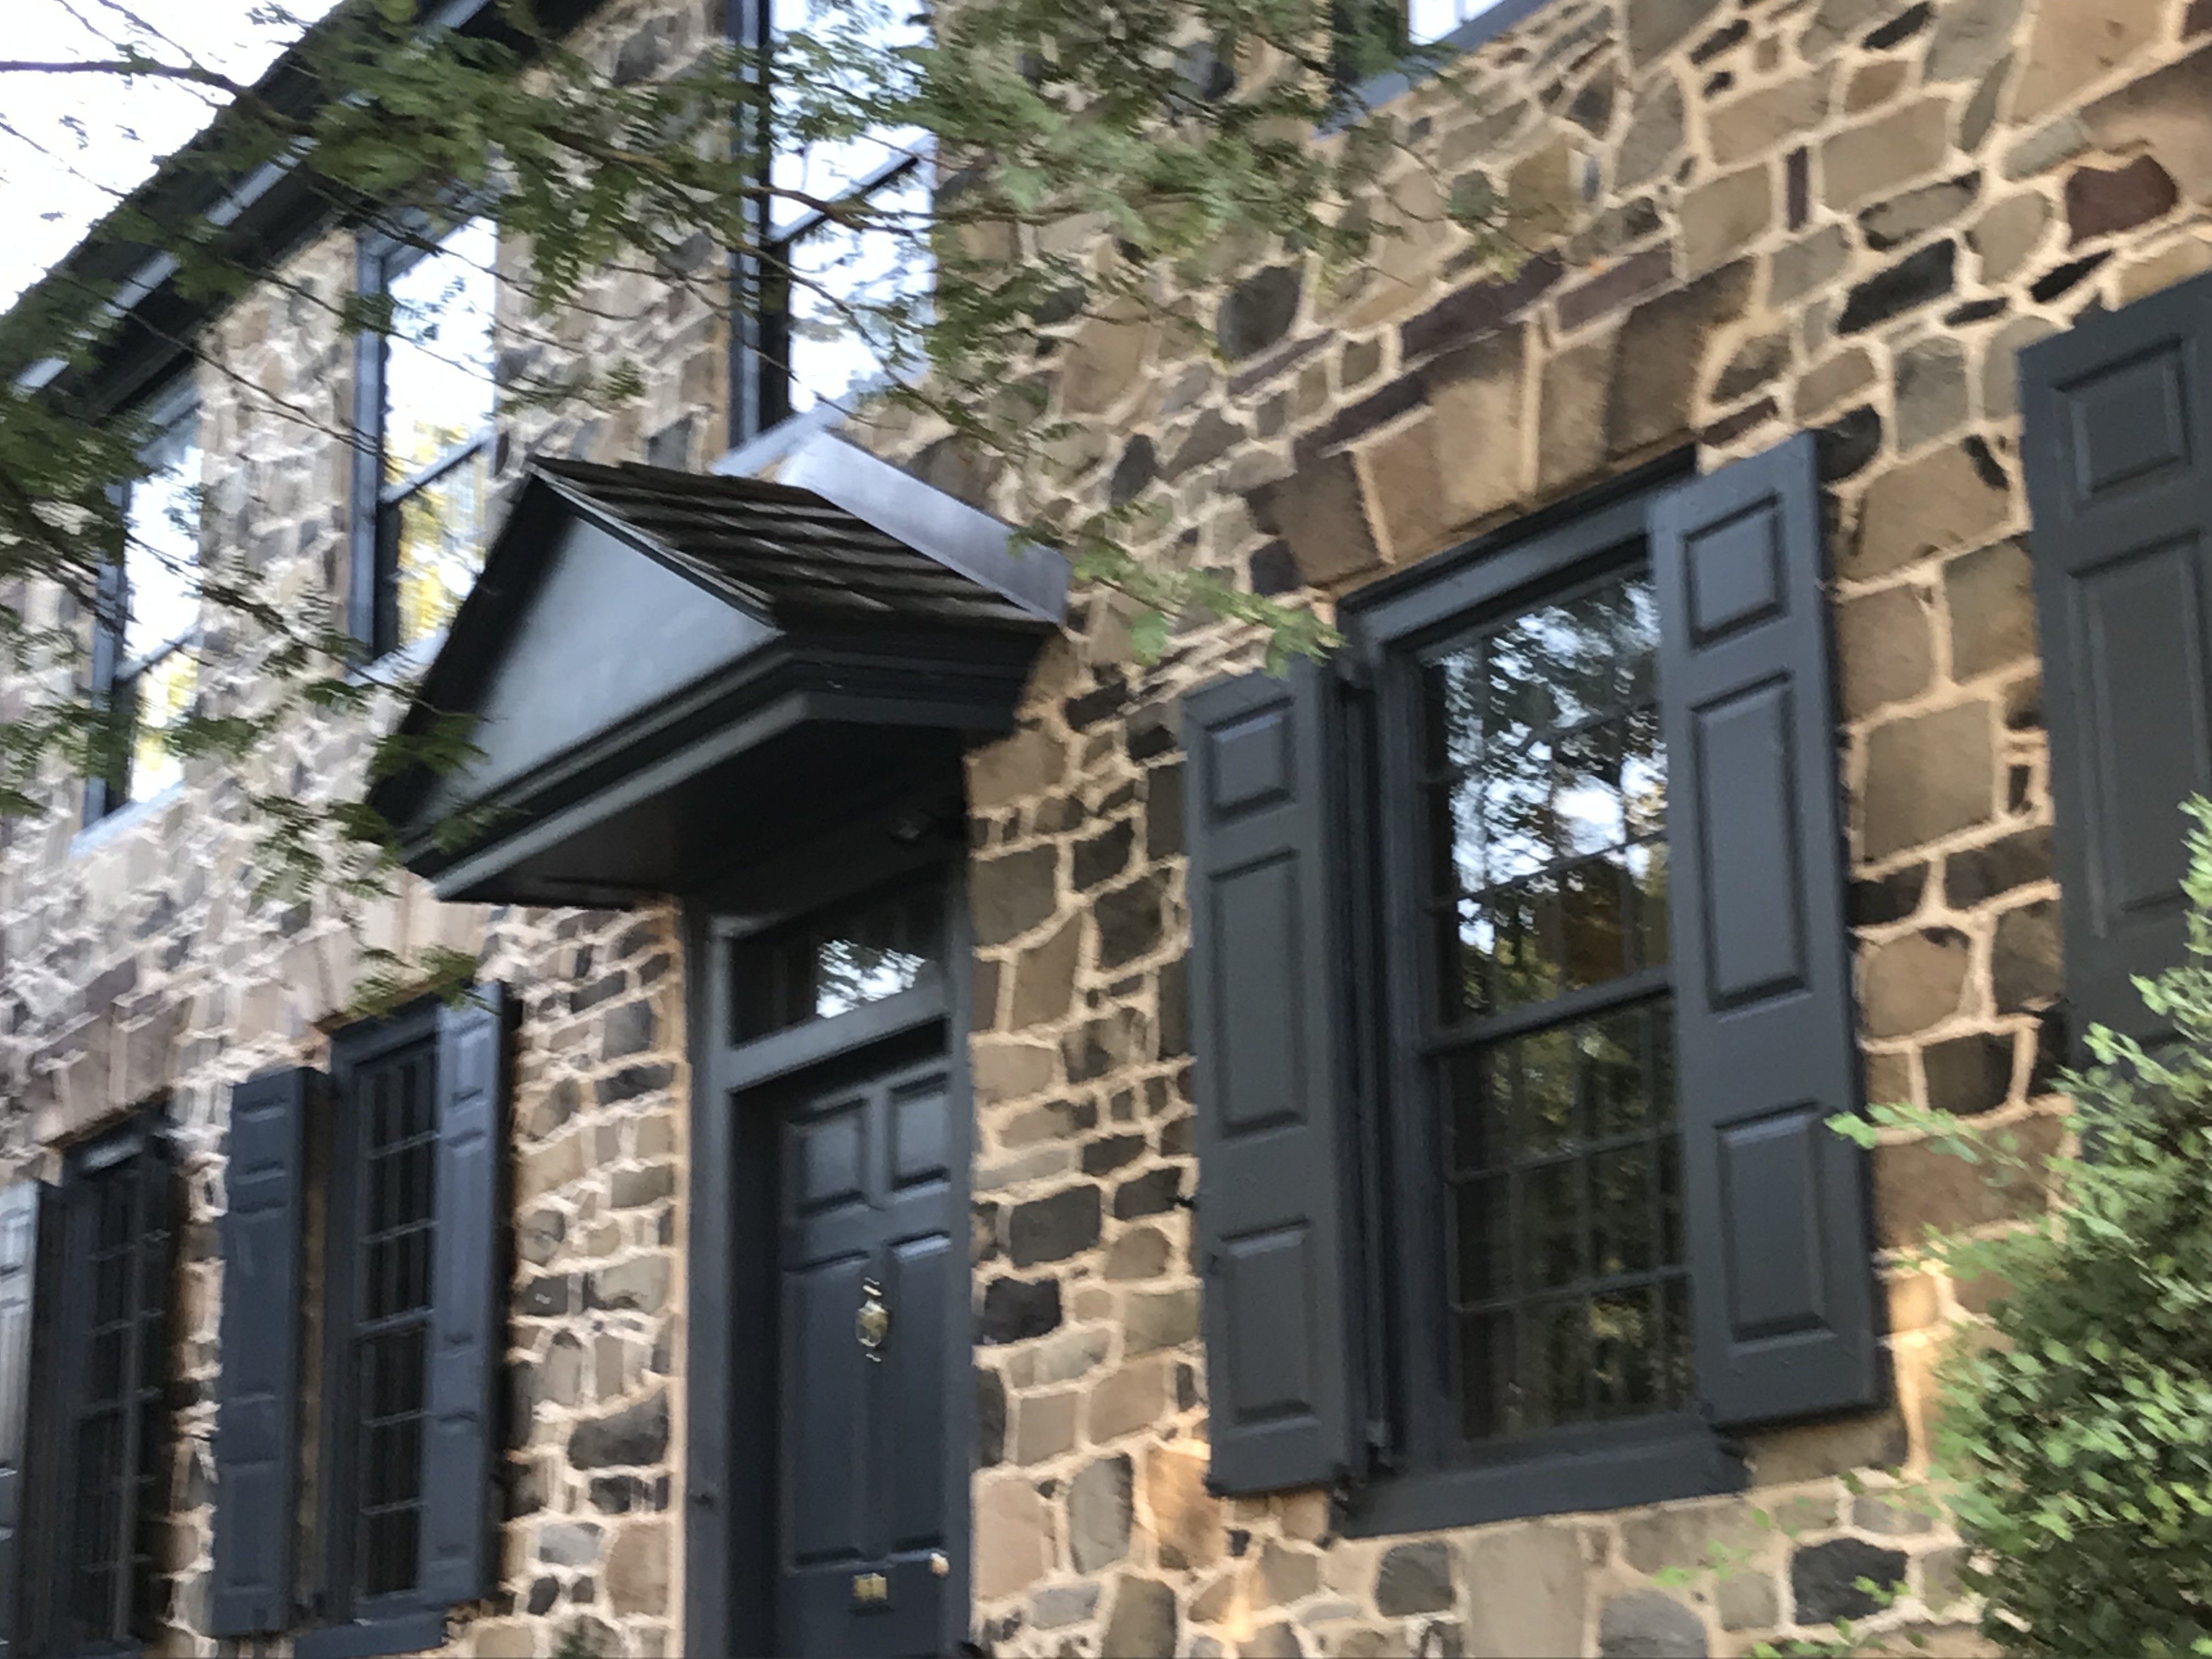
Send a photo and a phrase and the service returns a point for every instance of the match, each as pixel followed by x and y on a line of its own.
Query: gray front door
pixel 865 1272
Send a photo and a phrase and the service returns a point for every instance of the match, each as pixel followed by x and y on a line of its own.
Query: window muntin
pixel 837 960
pixel 1551 1030
pixel 437 400
pixel 828 282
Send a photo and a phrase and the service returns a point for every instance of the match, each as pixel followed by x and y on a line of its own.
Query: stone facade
pixel 1746 220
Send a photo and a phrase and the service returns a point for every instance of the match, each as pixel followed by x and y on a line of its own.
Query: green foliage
pixel 2074 1438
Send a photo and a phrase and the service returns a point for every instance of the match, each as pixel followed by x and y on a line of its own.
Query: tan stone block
pixel 2178 262
pixel 1661 361
pixel 1571 417
pixel 1826 387
pixel 1783 1457
pixel 1760 123
pixel 2075 46
pixel 1044 977
pixel 1809 263
pixel 1321 512
pixel 1991 599
pixel 1007 1070
pixel 550 1167
pixel 1044 1425
pixel 1939 501
pixel 1305 1516
pixel 1874 83
pixel 1914 983
pixel 1481 424
pixel 2008 233
pixel 1185 1518
pixel 1013 1538
pixel 1133 1398
pixel 1893 148
pixel 2001 368
pixel 1405 491
pixel 1014 768
pixel 1285 1575
pixel 1887 649
pixel 1543 193
pixel 1106 358
pixel 1526 1588
pixel 1917 1187
pixel 635 1577
pixel 1928 776
pixel 503 1638
pixel 1722 217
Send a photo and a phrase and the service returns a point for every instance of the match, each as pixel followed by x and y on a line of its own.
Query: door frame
pixel 729 1543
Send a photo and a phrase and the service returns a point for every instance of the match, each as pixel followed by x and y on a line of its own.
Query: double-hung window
pixel 1428 21
pixel 424 401
pixel 390 1162
pixel 86 1270
pixel 843 254
pixel 1521 998
pixel 144 670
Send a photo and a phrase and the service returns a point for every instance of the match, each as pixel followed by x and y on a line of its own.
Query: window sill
pixel 1377 90
pixel 1589 1472
pixel 121 820
pixel 374 1638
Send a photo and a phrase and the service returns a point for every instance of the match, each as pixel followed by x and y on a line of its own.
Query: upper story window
pixel 1432 20
pixel 424 413
pixel 1521 997
pixel 142 666
pixel 844 242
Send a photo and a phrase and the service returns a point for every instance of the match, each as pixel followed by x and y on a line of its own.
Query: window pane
pixel 819 168
pixel 438 357
pixel 1550 800
pixel 161 693
pixel 843 277
pixel 1432 20
pixel 836 963
pixel 440 535
pixel 1568 1267
pixel 163 514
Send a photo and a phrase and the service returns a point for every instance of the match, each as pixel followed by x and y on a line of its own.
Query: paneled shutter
pixel 1267 994
pixel 152 1424
pixel 111 600
pixel 468 1292
pixel 257 1428
pixel 2118 457
pixel 1783 1293
pixel 22 1208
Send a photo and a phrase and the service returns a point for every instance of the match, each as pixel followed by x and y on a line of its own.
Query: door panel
pixel 866 1223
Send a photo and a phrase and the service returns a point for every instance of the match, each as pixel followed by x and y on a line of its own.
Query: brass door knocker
pixel 873 1321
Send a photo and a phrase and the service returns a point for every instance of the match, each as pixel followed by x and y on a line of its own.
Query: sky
pixel 71 144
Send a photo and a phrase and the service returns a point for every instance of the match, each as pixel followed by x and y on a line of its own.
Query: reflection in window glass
pixel 159 695
pixel 438 406
pixel 841 279
pixel 163 516
pixel 819 170
pixel 842 960
pixel 1432 20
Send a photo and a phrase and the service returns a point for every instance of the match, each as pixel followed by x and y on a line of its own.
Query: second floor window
pixel 142 666
pixel 425 406
pixel 1432 20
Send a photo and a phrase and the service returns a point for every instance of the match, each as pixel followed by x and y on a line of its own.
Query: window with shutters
pixel 395 1332
pixel 85 1420
pixel 1520 996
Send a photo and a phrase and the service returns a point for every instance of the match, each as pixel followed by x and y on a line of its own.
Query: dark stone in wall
pixel 1719 42
pixel 1478 309
pixel 1624 283
pixel 1843 448
pixel 1142 1624
pixel 1164 812
pixel 2024 968
pixel 1657 27
pixel 1139 466
pixel 1111 1153
pixel 2102 200
pixel 1969 1074
pixel 1649 1624
pixel 1259 310
pixel 1153 1193
pixel 545 1296
pixel 1053 1229
pixel 627 1029
pixel 636 1435
pixel 1824 1579
pixel 1086 710
pixel 1414 1578
pixel 2046 289
pixel 1015 1309
pixel 1174 1008
pixel 990 1417
pixel 1103 856
pixel 1129 922
pixel 1902 218
pixel 1321 513
pixel 1884 899
pixel 1916 280
pixel 1900 28
pixel 1214 436
pixel 1660 359
pixel 1985 872
pixel 632 1081
pixel 544 1592
pixel 671 447
pixel 1009 895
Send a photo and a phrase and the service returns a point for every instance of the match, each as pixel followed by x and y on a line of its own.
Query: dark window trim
pixel 167 409
pixel 385 250
pixel 382 1624
pixel 1423 1478
pixel 728 1540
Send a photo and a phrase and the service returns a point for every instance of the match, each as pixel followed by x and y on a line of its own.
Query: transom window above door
pixel 837 960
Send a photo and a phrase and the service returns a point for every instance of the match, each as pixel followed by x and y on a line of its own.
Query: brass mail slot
pixel 870 1590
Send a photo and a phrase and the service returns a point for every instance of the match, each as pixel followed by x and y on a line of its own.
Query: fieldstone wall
pixel 137 963
pixel 1745 220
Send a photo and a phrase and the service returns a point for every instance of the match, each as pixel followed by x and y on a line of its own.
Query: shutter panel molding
pixel 1268 995
pixel 468 1290
pixel 257 1431
pixel 1780 1252
pixel 2118 453
pixel 155 1177
pixel 26 1209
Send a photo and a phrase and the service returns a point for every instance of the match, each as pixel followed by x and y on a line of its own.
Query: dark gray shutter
pixel 110 602
pixel 467 1296
pixel 2119 455
pixel 150 1430
pixel 1267 993
pixel 1782 1294
pixel 22 1207
pixel 257 1428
